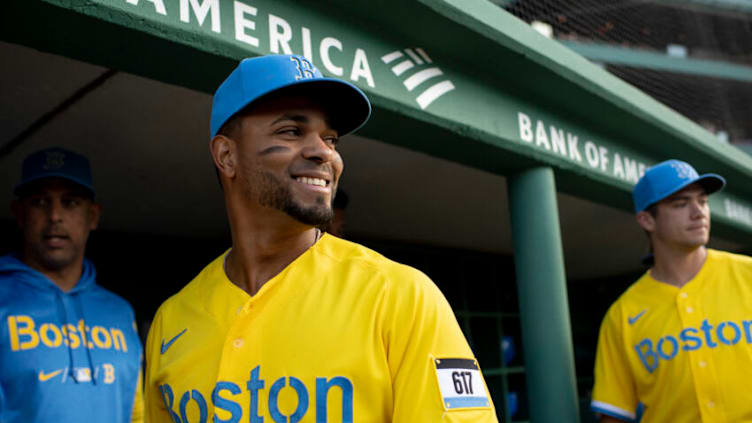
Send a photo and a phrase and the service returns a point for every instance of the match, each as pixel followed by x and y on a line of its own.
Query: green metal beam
pixel 542 292
pixel 710 6
pixel 616 55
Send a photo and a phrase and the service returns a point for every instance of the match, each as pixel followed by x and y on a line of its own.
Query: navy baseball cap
pixel 56 162
pixel 669 177
pixel 259 76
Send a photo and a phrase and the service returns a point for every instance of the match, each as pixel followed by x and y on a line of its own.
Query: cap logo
pixel 55 160
pixel 683 170
pixel 305 68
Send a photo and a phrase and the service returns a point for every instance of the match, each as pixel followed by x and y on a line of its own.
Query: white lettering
pixel 280 34
pixel 540 136
pixel 158 5
pixel 360 68
pixel 201 10
pixel 737 211
pixel 618 167
pixel 307 50
pixel 326 44
pixel 604 157
pixel 241 23
pixel 591 154
pixel 523 121
pixel 630 167
pixel 558 141
pixel 574 152
pixel 566 144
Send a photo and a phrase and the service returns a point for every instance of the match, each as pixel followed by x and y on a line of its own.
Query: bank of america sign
pixel 418 74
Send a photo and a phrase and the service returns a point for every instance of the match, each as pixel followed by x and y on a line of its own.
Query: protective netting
pixel 715 30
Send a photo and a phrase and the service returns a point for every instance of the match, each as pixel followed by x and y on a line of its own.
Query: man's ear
pixel 646 221
pixel 95 211
pixel 224 154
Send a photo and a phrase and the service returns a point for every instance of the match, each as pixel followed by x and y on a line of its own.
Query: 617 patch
pixel 460 384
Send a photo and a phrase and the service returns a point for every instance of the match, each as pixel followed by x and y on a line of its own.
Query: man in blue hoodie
pixel 69 349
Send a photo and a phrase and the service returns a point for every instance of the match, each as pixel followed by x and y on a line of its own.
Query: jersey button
pixel 702 364
pixel 689 309
pixel 683 295
pixel 711 404
pixel 237 343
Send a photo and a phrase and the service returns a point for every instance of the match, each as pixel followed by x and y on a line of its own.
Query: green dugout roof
pixel 457 79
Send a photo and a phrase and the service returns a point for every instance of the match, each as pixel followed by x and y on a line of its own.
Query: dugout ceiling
pixel 464 94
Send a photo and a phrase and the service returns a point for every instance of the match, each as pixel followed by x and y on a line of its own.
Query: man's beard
pixel 274 194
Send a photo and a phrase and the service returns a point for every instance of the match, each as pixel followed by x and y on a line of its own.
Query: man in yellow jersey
pixel 677 345
pixel 292 325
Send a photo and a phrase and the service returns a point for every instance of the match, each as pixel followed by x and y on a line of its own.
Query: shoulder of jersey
pixel 353 254
pixel 341 251
pixel 731 257
pixel 633 298
pixel 642 286
pixel 189 291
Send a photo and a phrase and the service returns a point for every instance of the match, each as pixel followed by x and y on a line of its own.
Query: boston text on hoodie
pixel 65 356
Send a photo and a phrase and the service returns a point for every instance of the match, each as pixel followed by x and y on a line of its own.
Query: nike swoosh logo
pixel 45 377
pixel 634 319
pixel 167 345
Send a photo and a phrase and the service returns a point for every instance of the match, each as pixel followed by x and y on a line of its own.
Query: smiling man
pixel 69 350
pixel 292 325
pixel 677 345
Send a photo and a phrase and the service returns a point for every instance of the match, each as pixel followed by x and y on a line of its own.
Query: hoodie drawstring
pixel 63 312
pixel 80 311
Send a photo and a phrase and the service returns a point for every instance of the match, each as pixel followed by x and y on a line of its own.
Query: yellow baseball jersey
pixel 684 353
pixel 342 334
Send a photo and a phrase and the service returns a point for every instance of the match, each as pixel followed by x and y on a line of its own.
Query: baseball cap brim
pixel 711 182
pixel 18 190
pixel 347 106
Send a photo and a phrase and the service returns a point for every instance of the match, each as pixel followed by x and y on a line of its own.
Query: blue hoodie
pixel 45 377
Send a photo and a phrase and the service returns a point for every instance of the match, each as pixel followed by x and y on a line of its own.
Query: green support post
pixel 542 292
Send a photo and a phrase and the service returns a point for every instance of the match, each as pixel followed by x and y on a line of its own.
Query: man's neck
pixel 676 267
pixel 65 278
pixel 262 248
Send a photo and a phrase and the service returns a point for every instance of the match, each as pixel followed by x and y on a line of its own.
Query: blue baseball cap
pixel 56 162
pixel 669 177
pixel 259 76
